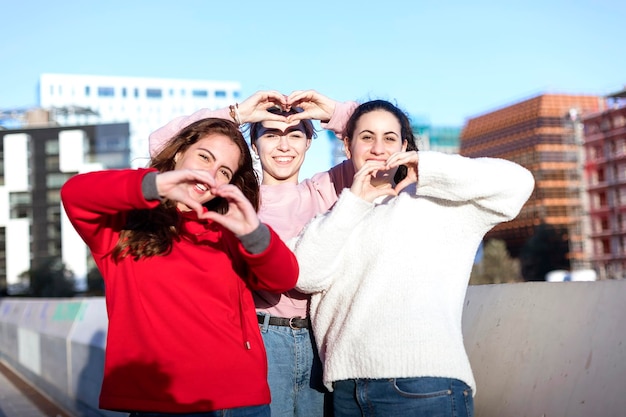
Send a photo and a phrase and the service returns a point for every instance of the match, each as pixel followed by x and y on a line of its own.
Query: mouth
pixel 283 159
pixel 201 187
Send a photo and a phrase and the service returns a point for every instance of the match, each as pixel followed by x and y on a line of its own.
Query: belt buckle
pixel 291 325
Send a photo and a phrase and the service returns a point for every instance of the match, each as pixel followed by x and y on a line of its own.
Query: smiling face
pixel 215 153
pixel 377 136
pixel 281 148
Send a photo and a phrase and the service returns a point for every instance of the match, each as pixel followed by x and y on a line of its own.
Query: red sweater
pixel 180 324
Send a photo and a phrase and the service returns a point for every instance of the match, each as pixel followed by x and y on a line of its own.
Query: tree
pixel 95 283
pixel 50 279
pixel 545 251
pixel 496 266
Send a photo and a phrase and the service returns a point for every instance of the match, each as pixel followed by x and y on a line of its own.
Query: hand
pixel 254 108
pixel 410 160
pixel 241 218
pixel 362 185
pixel 315 106
pixel 174 185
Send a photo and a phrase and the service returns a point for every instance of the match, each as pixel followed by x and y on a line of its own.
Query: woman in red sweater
pixel 180 247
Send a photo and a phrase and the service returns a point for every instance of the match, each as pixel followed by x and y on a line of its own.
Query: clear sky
pixel 444 61
pixel 447 61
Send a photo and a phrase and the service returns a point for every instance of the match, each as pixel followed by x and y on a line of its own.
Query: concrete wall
pixel 537 349
pixel 58 345
pixel 551 349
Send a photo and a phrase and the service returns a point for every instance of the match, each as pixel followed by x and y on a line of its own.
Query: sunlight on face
pixel 281 148
pixel 215 153
pixel 377 136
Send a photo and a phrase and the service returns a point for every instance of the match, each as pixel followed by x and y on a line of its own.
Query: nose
pixel 378 147
pixel 283 144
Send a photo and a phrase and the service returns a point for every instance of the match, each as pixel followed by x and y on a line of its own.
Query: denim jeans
pixel 403 397
pixel 294 372
pixel 253 411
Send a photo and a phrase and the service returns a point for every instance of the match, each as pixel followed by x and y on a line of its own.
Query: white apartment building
pixel 145 103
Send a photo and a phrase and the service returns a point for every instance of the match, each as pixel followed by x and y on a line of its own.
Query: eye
pixel 391 139
pixel 270 136
pixel 296 135
pixel 225 173
pixel 204 156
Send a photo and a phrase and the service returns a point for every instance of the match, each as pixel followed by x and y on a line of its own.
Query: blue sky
pixel 444 61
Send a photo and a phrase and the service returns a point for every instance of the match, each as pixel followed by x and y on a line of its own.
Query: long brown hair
pixel 152 232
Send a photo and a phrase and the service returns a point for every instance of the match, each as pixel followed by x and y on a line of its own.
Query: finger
pixel 297 97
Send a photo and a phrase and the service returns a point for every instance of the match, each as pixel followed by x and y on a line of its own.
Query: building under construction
pixel 543 134
pixel 605 168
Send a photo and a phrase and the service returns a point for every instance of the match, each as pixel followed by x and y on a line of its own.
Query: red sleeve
pixel 96 204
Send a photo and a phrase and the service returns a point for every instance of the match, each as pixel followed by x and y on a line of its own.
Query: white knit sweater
pixel 388 280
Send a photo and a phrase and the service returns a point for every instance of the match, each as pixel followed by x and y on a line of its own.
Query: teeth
pixel 202 187
pixel 284 159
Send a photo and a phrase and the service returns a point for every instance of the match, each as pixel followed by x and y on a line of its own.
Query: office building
pixel 541 134
pixel 145 103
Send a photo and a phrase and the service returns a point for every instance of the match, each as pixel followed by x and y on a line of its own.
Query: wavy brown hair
pixel 152 232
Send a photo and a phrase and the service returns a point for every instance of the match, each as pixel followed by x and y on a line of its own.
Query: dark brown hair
pixel 152 232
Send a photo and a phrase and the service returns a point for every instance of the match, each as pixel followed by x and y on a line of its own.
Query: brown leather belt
pixel 293 322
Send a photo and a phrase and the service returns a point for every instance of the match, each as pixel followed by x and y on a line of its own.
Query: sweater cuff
pixel 256 241
pixel 149 187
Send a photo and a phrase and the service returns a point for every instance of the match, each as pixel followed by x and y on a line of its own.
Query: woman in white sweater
pixel 389 266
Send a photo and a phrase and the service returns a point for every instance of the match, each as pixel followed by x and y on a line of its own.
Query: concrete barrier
pixel 554 349
pixel 58 346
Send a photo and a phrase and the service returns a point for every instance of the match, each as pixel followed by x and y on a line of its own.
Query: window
pixel 53 196
pixel 87 91
pixel 20 204
pixel 200 93
pixel 123 91
pixel 52 163
pixel 154 93
pixel 54 214
pixel 136 93
pixel 220 94
pixel 106 91
pixel 56 180
pixel 52 147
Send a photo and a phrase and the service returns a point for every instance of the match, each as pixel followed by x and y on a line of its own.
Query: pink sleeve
pixel 159 137
pixel 340 117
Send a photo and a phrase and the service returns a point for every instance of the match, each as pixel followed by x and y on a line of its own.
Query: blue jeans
pixel 294 372
pixel 253 411
pixel 403 397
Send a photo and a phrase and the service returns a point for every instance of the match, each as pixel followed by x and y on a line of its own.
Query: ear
pixel 308 143
pixel 346 147
pixel 254 149
pixel 404 145
pixel 176 157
